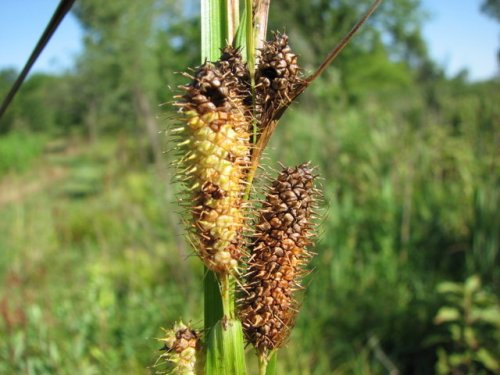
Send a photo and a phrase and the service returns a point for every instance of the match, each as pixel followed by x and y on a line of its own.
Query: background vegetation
pixel 92 258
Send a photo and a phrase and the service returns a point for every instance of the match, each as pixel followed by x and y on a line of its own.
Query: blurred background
pixel 405 129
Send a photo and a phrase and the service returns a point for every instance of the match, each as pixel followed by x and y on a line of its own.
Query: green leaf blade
pixel 213 17
pixel 227 354
pixel 447 314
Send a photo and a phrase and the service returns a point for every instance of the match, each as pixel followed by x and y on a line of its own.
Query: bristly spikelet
pixel 231 61
pixel 181 345
pixel 276 78
pixel 278 255
pixel 214 144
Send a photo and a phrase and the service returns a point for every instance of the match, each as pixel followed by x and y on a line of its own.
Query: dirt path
pixel 15 188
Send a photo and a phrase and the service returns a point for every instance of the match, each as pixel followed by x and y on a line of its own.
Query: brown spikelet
pixel 232 61
pixel 181 345
pixel 277 77
pixel 277 259
pixel 214 144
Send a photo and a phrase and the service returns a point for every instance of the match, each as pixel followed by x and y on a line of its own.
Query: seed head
pixel 214 144
pixel 278 255
pixel 181 346
pixel 232 61
pixel 277 76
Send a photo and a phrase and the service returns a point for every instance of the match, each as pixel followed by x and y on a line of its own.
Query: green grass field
pixel 91 266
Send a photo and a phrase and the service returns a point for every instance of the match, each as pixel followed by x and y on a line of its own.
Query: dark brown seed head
pixel 277 76
pixel 231 60
pixel 278 256
pixel 209 91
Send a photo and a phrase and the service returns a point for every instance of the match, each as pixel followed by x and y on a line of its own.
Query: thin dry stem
pixel 269 128
pixel 260 16
pixel 335 52
pixel 233 13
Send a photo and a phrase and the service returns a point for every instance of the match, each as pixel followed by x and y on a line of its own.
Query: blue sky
pixel 459 36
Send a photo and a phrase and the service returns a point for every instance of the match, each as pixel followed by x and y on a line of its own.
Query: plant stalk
pixel 344 42
pixel 262 364
pixel 250 38
pixel 260 17
pixel 225 345
pixel 233 17
pixel 227 291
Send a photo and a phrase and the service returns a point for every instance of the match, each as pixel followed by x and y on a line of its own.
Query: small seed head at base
pixel 181 344
pixel 215 151
pixel 279 254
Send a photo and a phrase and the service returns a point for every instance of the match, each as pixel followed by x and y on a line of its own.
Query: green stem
pixel 262 364
pixel 213 310
pixel 250 38
pixel 250 177
pixel 227 292
pixel 250 44
pixel 272 360
pixel 225 345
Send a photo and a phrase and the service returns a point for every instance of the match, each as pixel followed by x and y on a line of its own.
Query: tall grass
pixel 18 151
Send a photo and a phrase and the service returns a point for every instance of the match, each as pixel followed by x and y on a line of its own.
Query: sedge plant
pixel 255 253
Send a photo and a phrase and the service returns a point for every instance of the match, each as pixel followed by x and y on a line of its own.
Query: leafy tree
pixel 491 8
pixel 391 41
pixel 7 78
pixel 119 71
pixel 115 62
pixel 39 105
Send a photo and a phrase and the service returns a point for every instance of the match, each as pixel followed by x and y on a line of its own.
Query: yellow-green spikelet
pixel 182 344
pixel 215 156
